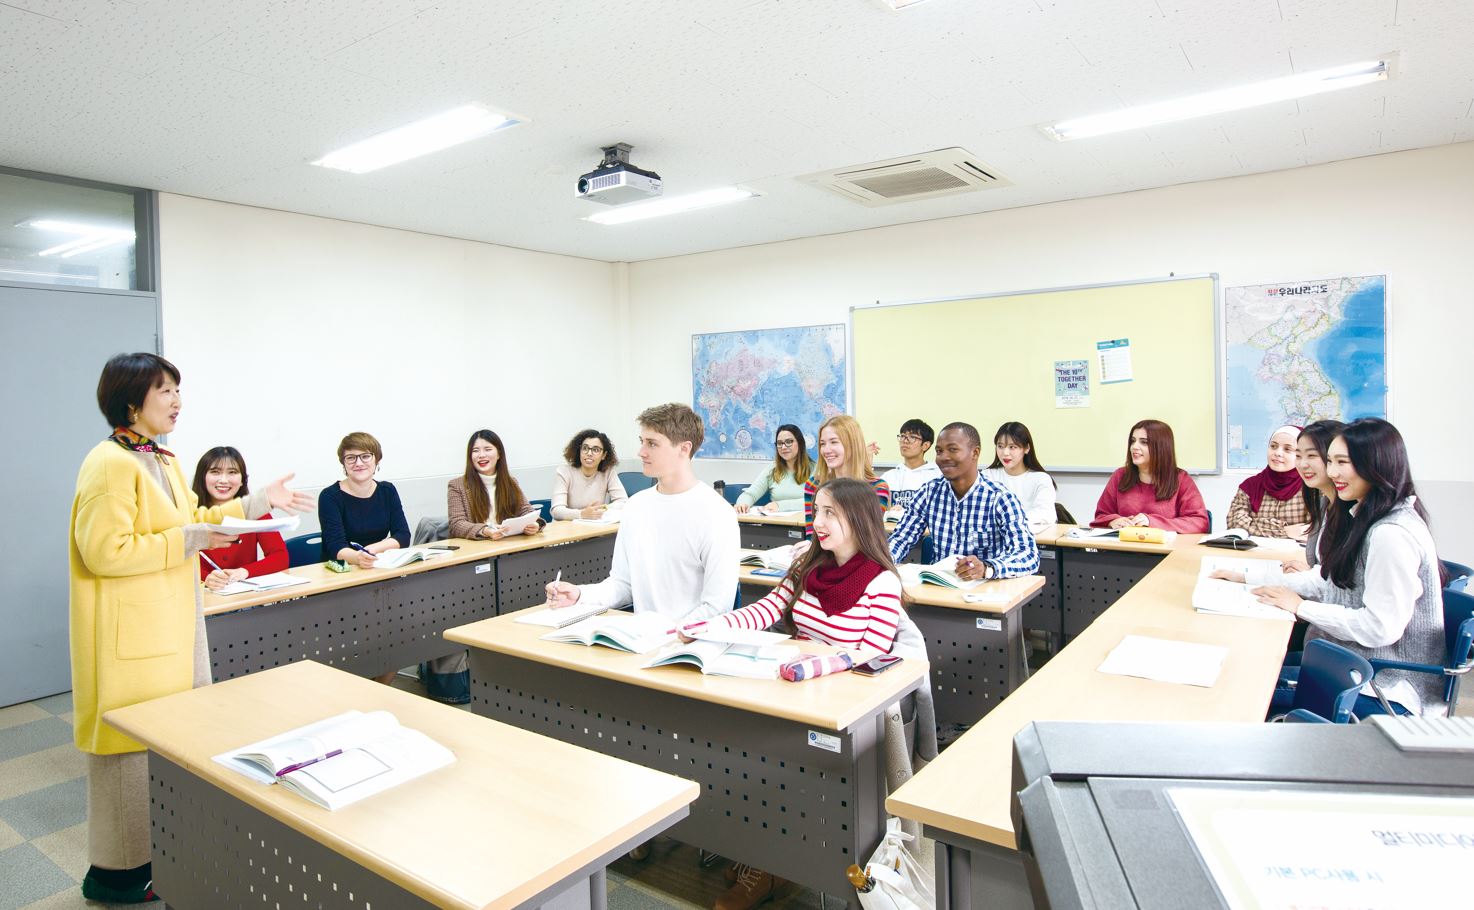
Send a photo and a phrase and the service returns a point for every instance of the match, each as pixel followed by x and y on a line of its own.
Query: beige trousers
pixel 117 787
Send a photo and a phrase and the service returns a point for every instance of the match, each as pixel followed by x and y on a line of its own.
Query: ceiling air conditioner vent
pixel 944 172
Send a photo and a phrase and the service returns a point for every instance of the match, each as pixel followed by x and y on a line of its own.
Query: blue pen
pixel 362 549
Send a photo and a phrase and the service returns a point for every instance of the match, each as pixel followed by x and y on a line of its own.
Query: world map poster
pixel 1302 352
pixel 747 384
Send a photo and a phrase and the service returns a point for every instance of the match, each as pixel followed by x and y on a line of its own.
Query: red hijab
pixel 1282 485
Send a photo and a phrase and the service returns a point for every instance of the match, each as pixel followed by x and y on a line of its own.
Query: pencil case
pixel 1143 535
pixel 336 565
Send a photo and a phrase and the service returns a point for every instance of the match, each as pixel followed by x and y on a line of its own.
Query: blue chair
pixel 544 508
pixel 1456 569
pixel 1330 678
pixel 634 481
pixel 733 490
pixel 304 549
pixel 1458 642
pixel 1302 716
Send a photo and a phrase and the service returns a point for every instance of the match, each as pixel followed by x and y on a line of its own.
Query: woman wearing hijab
pixel 1270 504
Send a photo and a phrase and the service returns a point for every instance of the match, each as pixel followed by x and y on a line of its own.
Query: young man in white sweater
pixel 914 439
pixel 676 551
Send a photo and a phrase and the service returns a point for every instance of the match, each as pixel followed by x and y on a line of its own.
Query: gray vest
pixel 1422 640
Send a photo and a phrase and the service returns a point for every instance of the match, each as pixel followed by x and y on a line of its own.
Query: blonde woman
pixel 842 453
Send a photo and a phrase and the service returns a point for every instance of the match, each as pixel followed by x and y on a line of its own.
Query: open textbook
pixel 943 572
pixel 1231 598
pixel 262 583
pixel 341 760
pixel 723 651
pixel 640 633
pixel 776 558
pixel 394 559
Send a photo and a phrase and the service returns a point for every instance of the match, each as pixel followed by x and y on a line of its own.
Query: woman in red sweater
pixel 1150 490
pixel 220 477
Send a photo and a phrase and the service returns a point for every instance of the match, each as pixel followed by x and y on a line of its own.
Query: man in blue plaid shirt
pixel 970 517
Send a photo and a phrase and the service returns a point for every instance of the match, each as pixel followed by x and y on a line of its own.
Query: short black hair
pixel 920 428
pixel 126 381
pixel 969 432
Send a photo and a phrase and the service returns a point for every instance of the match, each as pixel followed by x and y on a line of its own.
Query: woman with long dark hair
pixel 1378 589
pixel 1150 490
pixel 220 477
pixel 1312 453
pixel 1017 467
pixel 486 494
pixel 784 481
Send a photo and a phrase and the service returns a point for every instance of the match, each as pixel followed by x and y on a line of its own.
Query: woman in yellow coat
pixel 137 630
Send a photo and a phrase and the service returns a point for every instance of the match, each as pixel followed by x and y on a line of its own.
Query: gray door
pixel 55 343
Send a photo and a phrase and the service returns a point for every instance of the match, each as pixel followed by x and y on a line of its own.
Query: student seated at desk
pixel 969 516
pixel 784 481
pixel 842 453
pixel 1016 467
pixel 674 553
pixel 1150 490
pixel 220 477
pixel 1312 452
pixel 588 482
pixel 487 493
pixel 1379 588
pixel 1272 503
pixel 361 517
pixel 914 439
pixel 845 593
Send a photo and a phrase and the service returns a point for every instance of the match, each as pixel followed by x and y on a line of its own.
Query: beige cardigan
pixel 458 509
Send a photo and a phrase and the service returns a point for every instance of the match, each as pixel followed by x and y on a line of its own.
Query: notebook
pixel 610 517
pixel 262 583
pixel 1230 598
pixel 776 558
pixel 557 617
pixel 640 633
pixel 341 760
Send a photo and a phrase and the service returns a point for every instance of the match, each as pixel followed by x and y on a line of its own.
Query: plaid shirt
pixel 988 522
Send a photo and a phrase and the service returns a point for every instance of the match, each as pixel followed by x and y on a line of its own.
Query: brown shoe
pixel 753 886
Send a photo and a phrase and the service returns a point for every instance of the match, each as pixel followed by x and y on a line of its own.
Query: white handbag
pixel 899 881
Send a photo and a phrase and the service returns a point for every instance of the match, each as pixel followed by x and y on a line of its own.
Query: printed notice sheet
pixel 1072 383
pixel 1113 358
pixel 1297 849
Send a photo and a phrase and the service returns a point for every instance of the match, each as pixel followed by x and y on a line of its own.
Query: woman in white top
pixel 587 484
pixel 1017 467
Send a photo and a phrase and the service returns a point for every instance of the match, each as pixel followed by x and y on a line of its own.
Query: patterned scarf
pixel 838 588
pixel 137 442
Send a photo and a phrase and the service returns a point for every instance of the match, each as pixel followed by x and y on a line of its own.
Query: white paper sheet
pixel 262 583
pixel 232 525
pixel 517 524
pixel 1165 660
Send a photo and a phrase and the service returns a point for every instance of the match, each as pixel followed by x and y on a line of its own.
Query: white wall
pixel 291 331
pixel 1408 215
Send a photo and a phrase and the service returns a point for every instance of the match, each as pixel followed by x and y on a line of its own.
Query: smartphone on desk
pixel 442 546
pixel 876 666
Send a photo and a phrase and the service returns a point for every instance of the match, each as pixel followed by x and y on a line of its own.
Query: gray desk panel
pixel 522 578
pixel 1093 580
pixel 757 536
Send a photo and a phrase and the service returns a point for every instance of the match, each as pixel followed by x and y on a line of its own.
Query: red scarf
pixel 838 588
pixel 1282 485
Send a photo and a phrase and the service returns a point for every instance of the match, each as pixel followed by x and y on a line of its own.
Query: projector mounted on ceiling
pixel 615 181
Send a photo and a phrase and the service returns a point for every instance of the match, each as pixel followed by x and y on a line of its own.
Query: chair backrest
pixel 733 490
pixel 430 529
pixel 544 508
pixel 1330 678
pixel 1062 514
pixel 1458 635
pixel 634 481
pixel 1456 569
pixel 304 549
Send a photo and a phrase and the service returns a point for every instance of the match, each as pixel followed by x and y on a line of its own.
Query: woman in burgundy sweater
pixel 1150 490
pixel 220 477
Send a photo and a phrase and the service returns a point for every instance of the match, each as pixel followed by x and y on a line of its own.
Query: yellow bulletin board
pixel 990 359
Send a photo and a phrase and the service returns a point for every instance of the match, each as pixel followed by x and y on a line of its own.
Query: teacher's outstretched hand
pixel 293 501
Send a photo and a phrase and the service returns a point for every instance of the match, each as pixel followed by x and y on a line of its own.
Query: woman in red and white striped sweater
pixel 845 592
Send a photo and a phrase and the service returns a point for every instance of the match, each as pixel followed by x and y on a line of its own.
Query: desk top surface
pixel 1017 590
pixel 834 702
pixel 967 789
pixel 515 814
pixel 470 551
pixel 795 520
pixel 1058 536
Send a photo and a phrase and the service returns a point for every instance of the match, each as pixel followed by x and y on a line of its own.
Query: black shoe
pixel 92 890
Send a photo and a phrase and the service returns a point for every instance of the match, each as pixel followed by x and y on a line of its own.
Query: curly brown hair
pixel 570 451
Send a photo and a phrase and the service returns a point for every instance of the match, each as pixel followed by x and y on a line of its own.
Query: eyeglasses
pixel 908 437
pixel 592 450
pixel 786 443
pixel 360 458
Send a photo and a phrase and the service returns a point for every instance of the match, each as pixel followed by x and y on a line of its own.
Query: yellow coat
pixel 132 590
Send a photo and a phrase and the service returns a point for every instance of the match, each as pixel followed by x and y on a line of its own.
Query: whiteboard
pixel 989 358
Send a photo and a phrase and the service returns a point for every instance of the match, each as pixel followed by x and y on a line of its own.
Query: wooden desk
pixel 764 532
pixel 976 650
pixel 791 775
pixel 518 821
pixel 368 620
pixel 963 798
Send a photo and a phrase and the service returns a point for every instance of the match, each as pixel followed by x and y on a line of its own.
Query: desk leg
pixel 977 659
pixel 800 804
pixel 971 875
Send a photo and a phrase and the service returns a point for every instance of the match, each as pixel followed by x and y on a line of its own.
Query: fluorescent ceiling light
pixel 900 4
pixel 412 140
pixel 1221 101
pixel 88 237
pixel 672 205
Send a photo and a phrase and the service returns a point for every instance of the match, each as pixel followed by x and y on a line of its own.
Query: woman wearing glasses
pixel 587 484
pixel 784 481
pixel 361 517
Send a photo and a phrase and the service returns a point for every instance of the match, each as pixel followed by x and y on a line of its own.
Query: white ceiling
pixel 231 100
